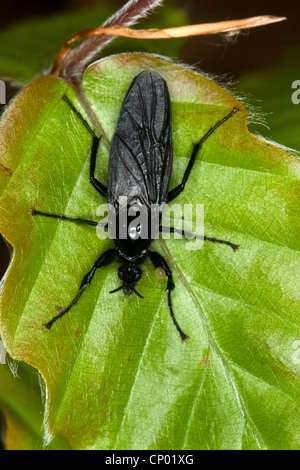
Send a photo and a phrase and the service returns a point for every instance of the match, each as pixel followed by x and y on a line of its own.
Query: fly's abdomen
pixel 141 154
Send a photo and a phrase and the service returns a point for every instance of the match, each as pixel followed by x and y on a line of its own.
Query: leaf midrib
pixel 216 347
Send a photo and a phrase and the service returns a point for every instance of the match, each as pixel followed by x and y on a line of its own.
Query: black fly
pixel 139 171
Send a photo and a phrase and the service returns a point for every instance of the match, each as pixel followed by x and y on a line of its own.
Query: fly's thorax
pixel 133 221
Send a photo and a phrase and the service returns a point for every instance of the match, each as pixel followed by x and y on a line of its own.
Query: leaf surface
pixel 117 374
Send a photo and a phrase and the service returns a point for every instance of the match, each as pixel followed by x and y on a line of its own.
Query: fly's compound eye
pixel 120 274
pixel 138 277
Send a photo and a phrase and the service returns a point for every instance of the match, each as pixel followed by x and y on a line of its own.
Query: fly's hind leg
pixel 178 189
pixel 100 187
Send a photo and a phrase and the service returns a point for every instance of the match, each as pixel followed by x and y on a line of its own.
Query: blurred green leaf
pixel 272 91
pixel 118 375
pixel 30 47
pixel 22 408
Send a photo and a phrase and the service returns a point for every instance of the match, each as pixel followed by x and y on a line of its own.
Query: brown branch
pixel 183 31
pixel 72 67
pixel 88 51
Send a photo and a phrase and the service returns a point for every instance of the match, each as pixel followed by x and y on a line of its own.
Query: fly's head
pixel 129 274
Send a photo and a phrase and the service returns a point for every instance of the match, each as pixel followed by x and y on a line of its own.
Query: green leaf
pixel 30 47
pixel 272 91
pixel 22 408
pixel 118 375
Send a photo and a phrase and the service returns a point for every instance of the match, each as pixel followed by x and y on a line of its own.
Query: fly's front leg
pixel 101 188
pixel 158 261
pixel 104 260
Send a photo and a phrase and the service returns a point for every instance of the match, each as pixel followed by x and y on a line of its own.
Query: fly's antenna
pixel 137 293
pixel 116 290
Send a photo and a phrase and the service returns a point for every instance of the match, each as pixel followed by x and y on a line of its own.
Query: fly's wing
pixel 141 155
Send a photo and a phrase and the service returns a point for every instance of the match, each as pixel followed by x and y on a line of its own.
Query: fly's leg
pixel 77 220
pixel 104 260
pixel 199 237
pixel 178 189
pixel 101 188
pixel 158 261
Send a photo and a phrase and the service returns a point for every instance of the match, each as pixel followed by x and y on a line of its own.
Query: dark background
pixel 257 48
pixel 254 50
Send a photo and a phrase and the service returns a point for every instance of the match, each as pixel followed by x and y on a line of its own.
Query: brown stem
pixel 74 63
